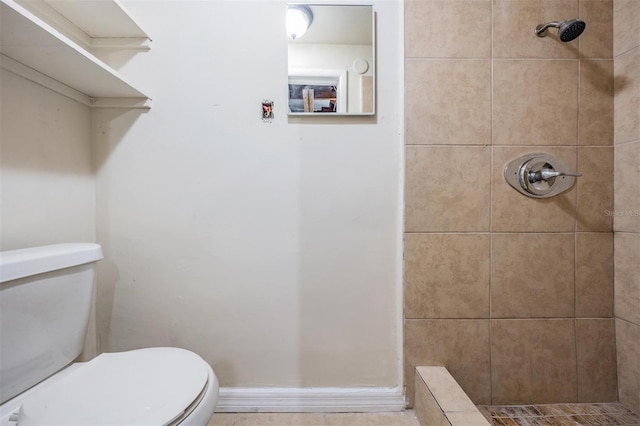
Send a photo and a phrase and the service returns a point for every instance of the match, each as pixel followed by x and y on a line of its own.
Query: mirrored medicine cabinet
pixel 331 59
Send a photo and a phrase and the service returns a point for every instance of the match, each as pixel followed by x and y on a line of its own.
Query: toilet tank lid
pixel 25 262
pixel 150 386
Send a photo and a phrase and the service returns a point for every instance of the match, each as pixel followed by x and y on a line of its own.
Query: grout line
pixel 451 145
pixel 578 99
pixel 579 39
pixel 515 319
pixel 626 52
pixel 444 145
pixel 627 321
pixel 449 233
pixel 578 140
pixel 506 58
pixel 626 143
pixel 447 58
pixel 515 232
pixel 491 225
pixel 614 179
pixel 575 215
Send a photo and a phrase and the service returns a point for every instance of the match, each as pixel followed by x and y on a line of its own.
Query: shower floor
pixel 559 414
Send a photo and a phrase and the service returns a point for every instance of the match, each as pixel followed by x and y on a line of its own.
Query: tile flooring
pixel 559 415
pixel 405 418
pixel 511 415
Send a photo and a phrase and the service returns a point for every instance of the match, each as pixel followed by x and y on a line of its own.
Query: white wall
pixel 271 249
pixel 47 192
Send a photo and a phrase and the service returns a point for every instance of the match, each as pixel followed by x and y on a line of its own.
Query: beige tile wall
pixel 626 218
pixel 514 295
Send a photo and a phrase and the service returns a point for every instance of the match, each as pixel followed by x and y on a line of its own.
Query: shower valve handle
pixel 546 174
pixel 540 175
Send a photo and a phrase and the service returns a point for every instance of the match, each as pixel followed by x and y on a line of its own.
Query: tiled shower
pixel 523 300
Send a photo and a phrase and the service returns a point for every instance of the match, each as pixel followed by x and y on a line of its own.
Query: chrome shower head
pixel 567 30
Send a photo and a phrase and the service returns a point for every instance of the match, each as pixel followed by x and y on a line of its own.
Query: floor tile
pixel 372 419
pixel 560 415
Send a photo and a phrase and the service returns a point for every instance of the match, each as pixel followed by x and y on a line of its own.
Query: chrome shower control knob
pixel 539 175
pixel 549 173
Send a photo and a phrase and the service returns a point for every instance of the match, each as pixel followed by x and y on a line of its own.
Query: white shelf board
pixel 99 18
pixel 27 39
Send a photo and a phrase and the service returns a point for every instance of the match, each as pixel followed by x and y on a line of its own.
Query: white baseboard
pixel 300 400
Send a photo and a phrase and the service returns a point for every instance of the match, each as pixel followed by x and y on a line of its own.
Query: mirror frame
pixel 317 75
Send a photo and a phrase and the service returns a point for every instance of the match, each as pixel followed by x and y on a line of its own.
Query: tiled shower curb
pixel 440 401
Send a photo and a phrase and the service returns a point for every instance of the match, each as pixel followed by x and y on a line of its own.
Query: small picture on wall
pixel 313 98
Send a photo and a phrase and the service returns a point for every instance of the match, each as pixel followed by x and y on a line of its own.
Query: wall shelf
pixel 30 41
pixel 104 18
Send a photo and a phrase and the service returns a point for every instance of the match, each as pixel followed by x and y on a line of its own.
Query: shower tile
pixel 595 189
pixel 447 189
pixel 597 40
pixel 628 353
pixel 533 361
pixel 462 346
pixel 596 358
pixel 535 102
pixel 627 277
pixel 594 274
pixel 515 212
pixel 532 275
pixel 448 102
pixel 447 275
pixel 627 188
pixel 514 22
pixel 627 89
pixel 596 102
pixel 448 28
pixel 626 31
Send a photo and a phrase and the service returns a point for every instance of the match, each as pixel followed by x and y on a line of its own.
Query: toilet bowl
pixel 44 302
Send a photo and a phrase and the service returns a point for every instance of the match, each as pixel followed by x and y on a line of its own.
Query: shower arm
pixel 540 29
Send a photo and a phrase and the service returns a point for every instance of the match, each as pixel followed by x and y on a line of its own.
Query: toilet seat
pixel 154 386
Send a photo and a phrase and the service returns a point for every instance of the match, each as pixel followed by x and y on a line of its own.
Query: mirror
pixel 331 59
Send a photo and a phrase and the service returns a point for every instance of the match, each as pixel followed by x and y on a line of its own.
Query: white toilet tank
pixel 45 300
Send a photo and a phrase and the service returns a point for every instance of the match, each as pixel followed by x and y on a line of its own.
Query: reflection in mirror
pixel 331 54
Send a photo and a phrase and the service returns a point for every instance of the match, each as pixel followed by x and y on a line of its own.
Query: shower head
pixel 567 30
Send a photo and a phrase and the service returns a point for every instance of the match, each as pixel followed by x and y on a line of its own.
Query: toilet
pixel 45 302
